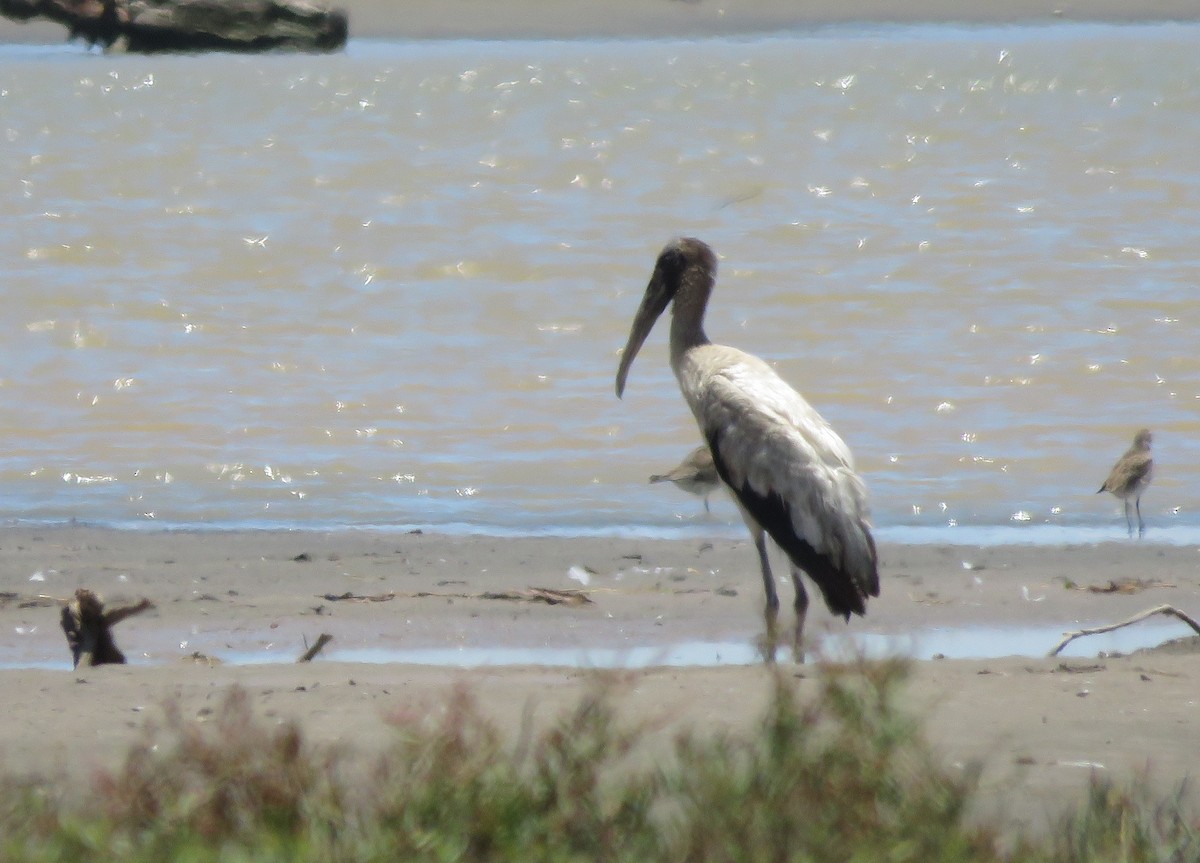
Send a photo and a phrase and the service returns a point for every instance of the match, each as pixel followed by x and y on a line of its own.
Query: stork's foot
pixel 801 616
pixel 798 647
pixel 768 644
pixel 768 647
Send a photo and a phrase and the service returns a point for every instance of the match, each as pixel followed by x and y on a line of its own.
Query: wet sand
pixel 572 19
pixel 1039 725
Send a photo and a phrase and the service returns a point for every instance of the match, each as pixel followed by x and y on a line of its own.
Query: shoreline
pixel 1039 725
pixel 590 19
pixel 652 591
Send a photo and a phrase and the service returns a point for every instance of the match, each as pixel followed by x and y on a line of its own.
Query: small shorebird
pixel 696 474
pixel 1130 477
pixel 790 474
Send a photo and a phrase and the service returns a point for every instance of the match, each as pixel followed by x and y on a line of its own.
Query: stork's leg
pixel 801 615
pixel 771 612
pixel 1141 524
pixel 760 543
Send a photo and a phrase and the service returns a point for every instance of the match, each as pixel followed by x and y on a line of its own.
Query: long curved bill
pixel 654 301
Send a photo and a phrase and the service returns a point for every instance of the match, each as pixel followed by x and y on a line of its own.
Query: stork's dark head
pixel 678 264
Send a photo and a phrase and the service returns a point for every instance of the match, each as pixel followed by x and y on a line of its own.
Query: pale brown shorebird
pixel 696 474
pixel 790 474
pixel 1131 476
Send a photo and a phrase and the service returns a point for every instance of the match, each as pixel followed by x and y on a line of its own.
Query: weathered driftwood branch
pixel 149 26
pixel 1169 610
pixel 1124 585
pixel 88 628
pixel 322 639
pixel 548 595
pixel 360 597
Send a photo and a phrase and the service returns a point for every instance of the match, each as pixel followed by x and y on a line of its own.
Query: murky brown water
pixel 388 287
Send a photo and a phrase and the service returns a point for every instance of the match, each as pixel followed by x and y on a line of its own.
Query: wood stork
pixel 696 474
pixel 1131 476
pixel 790 474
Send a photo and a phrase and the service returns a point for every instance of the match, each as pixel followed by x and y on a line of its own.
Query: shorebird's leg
pixel 801 615
pixel 706 509
pixel 771 612
pixel 1141 524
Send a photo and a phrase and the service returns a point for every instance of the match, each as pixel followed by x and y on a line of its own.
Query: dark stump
pixel 88 628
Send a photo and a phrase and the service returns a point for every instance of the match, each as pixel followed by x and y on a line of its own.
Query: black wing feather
pixel 838 587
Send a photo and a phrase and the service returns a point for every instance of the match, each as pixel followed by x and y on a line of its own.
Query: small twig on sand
pixel 39 601
pixel 1169 610
pixel 323 639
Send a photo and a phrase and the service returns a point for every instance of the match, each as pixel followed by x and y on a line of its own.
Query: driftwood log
pixel 88 628
pixel 151 26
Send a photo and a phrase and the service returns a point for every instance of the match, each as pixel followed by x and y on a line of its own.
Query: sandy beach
pixel 1040 726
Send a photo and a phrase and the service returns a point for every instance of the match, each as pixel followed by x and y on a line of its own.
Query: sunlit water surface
pixel 388 288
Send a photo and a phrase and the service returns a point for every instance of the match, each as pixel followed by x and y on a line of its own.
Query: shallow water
pixel 975 642
pixel 388 287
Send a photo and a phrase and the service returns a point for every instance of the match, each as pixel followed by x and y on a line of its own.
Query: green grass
pixel 844 776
